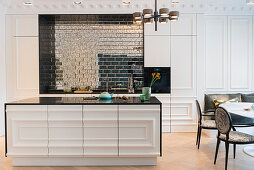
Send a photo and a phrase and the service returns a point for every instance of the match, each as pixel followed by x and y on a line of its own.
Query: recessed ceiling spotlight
pixel 251 2
pixel 77 2
pixel 126 2
pixel 27 3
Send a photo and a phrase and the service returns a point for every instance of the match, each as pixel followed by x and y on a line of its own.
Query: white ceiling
pixel 116 6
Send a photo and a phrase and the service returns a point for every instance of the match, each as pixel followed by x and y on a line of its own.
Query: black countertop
pixel 82 100
pixel 93 92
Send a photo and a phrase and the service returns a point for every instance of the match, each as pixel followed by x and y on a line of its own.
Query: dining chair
pixel 203 124
pixel 224 125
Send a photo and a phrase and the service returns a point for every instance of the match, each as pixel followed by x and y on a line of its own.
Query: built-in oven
pixel 162 85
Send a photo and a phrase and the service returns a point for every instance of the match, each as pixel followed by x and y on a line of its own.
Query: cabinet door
pixel 157 51
pixel 139 130
pixel 27 131
pixel 22 67
pixel 100 130
pixel 186 25
pixel 162 29
pixel 65 130
pixel 183 57
pixel 26 25
pixel 22 56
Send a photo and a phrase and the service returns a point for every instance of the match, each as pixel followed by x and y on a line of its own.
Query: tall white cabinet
pixel 176 44
pixel 22 56
pixel 183 65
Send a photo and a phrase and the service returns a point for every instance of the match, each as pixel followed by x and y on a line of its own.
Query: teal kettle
pixel 106 96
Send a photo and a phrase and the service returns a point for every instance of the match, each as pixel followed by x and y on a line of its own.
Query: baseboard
pixel 183 128
pixel 57 161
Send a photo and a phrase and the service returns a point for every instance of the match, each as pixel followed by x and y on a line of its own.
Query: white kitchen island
pixel 76 132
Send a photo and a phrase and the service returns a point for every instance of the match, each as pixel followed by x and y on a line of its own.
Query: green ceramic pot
pixel 146 91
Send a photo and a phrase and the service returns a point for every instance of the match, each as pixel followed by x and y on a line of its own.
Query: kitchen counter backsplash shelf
pixel 89 50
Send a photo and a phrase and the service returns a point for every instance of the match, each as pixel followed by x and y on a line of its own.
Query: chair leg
pixel 197 136
pixel 217 149
pixel 226 159
pixel 234 150
pixel 200 130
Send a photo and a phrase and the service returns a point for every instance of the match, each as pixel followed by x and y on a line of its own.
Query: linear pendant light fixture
pixel 162 16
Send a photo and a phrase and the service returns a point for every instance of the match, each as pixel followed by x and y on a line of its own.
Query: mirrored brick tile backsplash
pixel 90 50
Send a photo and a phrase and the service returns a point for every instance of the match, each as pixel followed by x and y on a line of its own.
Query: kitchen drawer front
pixel 100 130
pixel 65 130
pixel 65 112
pixel 100 112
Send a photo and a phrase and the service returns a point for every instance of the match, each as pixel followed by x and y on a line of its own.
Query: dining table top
pixel 242 114
pixel 241 108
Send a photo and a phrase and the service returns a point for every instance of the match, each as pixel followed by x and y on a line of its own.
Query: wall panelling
pixel 240 52
pixel 228 53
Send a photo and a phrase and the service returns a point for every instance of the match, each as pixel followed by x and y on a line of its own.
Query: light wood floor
pixel 179 153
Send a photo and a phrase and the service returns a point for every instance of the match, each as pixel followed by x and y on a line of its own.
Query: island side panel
pixel 27 131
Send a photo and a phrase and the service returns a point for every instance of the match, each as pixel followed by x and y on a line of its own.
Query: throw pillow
pixel 218 102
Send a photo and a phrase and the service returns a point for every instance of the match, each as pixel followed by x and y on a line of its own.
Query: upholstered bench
pixel 248 97
pixel 209 100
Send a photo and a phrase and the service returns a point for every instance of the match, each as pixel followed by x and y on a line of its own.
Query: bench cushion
pixel 248 98
pixel 209 103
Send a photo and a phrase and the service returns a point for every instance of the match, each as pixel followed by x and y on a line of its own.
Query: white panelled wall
pixel 206 53
pixel 228 53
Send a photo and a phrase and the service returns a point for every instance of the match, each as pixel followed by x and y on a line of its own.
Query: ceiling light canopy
pixel 28 3
pixel 126 2
pixel 77 2
pixel 162 16
pixel 175 2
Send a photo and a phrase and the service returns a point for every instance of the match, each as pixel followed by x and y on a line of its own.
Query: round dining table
pixel 242 114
